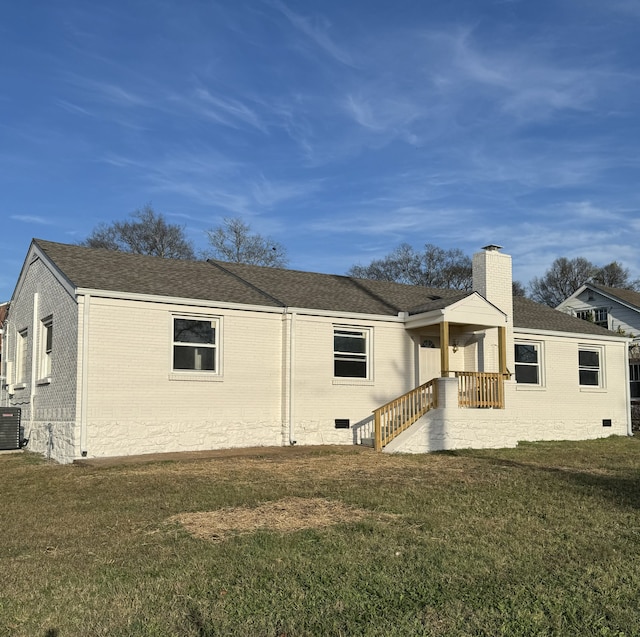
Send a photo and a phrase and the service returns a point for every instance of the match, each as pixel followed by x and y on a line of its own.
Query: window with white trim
pixel 46 346
pixel 590 366
pixel 634 378
pixel 195 344
pixel 527 362
pixel 21 356
pixel 351 348
pixel 598 315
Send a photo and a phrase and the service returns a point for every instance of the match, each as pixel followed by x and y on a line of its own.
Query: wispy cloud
pixel 268 193
pixel 316 31
pixel 382 114
pixel 110 92
pixel 228 111
pixel 32 219
pixel 72 108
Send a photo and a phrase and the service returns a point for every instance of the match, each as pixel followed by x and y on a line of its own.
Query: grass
pixel 539 540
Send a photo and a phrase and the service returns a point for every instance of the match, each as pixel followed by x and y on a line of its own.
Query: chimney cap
pixel 492 247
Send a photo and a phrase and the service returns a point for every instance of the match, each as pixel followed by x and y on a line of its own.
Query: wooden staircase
pixel 476 390
pixel 398 415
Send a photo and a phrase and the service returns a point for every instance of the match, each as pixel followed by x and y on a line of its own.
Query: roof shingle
pixel 99 269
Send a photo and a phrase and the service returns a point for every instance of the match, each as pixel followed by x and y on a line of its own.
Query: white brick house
pixel 116 354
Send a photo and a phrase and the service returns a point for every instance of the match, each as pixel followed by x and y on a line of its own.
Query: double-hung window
pixel 196 344
pixel 21 356
pixel 590 366
pixel 527 360
pixel 46 347
pixel 351 353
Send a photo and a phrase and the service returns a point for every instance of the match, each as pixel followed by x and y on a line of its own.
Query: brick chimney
pixel 492 277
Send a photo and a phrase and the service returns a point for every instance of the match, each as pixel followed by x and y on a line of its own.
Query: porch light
pixel 454 346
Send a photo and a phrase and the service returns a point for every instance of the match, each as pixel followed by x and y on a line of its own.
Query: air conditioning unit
pixel 10 428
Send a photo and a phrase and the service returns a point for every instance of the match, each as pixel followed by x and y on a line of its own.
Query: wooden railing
pixel 480 389
pixel 392 419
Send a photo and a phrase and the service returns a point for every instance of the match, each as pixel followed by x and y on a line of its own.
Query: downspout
pixel 628 392
pixel 84 378
pixel 292 345
pixel 34 352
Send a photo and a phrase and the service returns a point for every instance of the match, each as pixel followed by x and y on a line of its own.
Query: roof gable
pixel 631 298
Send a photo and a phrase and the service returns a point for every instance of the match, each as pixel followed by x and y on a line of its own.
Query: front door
pixel 429 363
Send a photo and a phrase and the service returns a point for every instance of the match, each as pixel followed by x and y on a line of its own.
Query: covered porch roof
pixel 468 310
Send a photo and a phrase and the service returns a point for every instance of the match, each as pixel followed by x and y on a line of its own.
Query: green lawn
pixel 539 540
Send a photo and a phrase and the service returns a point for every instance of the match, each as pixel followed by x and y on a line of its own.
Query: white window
pixel 590 366
pixel 598 315
pixel 21 357
pixel 351 347
pixel 527 359
pixel 601 317
pixel 195 344
pixel 46 346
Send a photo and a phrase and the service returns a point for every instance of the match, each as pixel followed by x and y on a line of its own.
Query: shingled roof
pixel 96 268
pixel 99 269
pixel 630 297
pixel 532 315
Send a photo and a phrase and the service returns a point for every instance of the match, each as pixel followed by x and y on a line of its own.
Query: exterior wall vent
pixel 342 423
pixel 10 428
pixel 606 422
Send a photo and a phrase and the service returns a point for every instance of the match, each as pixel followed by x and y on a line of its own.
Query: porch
pixel 475 390
pixel 461 338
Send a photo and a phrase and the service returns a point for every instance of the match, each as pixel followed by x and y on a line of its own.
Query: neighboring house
pixel 115 354
pixel 618 310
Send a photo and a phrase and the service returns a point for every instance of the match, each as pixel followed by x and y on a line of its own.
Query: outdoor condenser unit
pixel 9 428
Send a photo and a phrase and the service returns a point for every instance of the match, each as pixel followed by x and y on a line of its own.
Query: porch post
pixel 502 350
pixel 444 349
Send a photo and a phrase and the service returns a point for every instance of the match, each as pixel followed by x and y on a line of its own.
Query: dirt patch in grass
pixel 285 516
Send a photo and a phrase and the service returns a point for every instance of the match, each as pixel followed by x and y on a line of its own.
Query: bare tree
pixel 614 275
pixel 434 267
pixel 518 289
pixel 233 241
pixel 565 276
pixel 148 233
pixel 561 280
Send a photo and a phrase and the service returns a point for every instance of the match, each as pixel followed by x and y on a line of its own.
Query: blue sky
pixel 341 129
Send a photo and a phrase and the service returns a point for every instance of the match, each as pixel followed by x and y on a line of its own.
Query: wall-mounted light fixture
pixel 454 346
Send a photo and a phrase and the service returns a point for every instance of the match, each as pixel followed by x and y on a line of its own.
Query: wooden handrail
pixel 399 414
pixel 480 389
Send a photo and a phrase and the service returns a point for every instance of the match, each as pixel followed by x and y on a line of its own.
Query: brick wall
pixel 51 428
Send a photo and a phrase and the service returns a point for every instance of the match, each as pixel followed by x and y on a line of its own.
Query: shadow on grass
pixel 621 490
pixel 198 622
